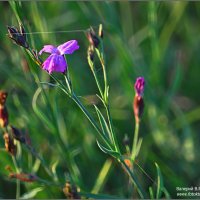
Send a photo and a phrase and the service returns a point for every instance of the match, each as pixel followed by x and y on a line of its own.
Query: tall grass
pixel 157 40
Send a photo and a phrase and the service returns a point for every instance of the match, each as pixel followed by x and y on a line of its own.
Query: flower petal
pixel 68 47
pixel 48 49
pixel 55 63
pixel 139 86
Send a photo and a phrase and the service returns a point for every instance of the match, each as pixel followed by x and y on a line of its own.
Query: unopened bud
pixel 70 191
pixel 18 36
pixel 18 135
pixel 3 97
pixel 138 107
pixel 3 116
pixel 139 86
pixel 101 31
pixel 138 103
pixel 93 39
pixel 9 144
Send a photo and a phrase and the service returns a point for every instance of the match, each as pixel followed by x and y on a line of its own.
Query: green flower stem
pixel 104 75
pixel 68 84
pixel 80 105
pixel 73 96
pixel 91 64
pixel 98 84
pixel 134 179
pixel 106 103
pixel 17 180
pixel 135 141
pixel 113 136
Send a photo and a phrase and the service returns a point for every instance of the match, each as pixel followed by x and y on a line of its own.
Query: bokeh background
pixel 157 40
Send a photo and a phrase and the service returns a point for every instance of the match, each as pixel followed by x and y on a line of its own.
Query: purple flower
pixel 56 61
pixel 139 86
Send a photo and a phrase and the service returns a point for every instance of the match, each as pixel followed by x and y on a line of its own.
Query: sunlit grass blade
pixel 32 193
pixel 159 182
pixel 103 123
pixel 41 115
pixel 151 193
pixel 108 151
pixel 102 177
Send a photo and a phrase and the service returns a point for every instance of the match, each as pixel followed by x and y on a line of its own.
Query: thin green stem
pixel 68 84
pixel 92 121
pixel 17 180
pixel 91 64
pixel 105 99
pixel 104 75
pixel 135 141
pixel 113 136
pixel 134 179
pixel 98 84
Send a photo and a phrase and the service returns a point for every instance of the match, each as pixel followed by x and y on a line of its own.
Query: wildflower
pixel 93 39
pixel 138 103
pixel 56 61
pixel 18 36
pixel 9 144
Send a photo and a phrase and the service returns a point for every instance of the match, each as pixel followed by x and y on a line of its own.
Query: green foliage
pixel 157 40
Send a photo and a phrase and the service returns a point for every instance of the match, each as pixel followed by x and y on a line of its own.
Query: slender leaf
pixel 159 182
pixel 151 193
pixel 104 126
pixel 32 193
pixel 108 151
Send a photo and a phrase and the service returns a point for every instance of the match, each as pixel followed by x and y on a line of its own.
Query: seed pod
pixel 3 97
pixel 18 36
pixel 9 144
pixel 3 116
pixel 93 39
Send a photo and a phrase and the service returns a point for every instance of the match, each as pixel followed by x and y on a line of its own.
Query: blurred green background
pixel 157 40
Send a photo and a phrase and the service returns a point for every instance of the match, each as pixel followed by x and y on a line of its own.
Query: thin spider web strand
pixel 51 32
